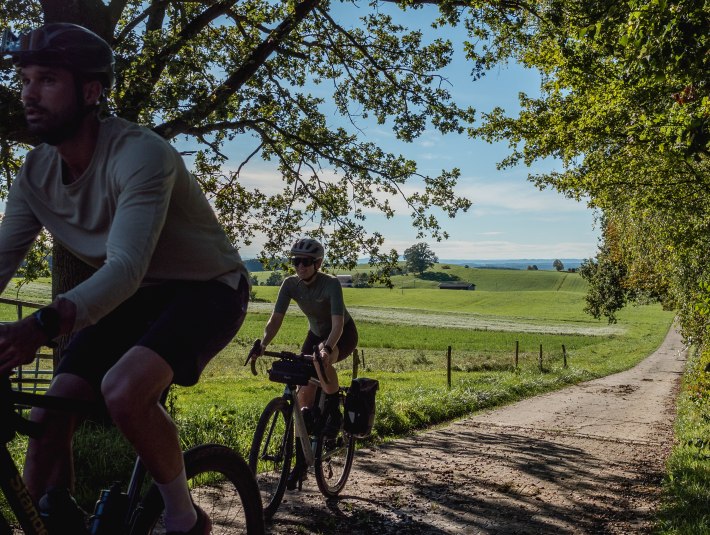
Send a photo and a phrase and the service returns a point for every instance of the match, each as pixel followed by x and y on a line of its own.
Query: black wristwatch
pixel 47 319
pixel 328 348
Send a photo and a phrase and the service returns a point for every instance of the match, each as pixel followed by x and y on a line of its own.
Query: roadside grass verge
pixel 686 500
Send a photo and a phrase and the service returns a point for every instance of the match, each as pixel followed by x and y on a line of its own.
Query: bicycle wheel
pixel 271 453
pixel 221 484
pixel 333 461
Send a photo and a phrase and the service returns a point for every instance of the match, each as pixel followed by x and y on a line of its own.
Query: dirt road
pixel 586 459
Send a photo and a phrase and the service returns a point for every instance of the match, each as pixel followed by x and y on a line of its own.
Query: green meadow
pixel 405 335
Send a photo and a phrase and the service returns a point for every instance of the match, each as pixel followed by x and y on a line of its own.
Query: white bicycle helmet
pixel 308 247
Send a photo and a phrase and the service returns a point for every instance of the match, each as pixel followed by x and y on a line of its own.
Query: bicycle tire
pixel 221 483
pixel 333 462
pixel 272 452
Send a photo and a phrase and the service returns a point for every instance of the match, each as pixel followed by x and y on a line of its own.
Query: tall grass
pixel 686 500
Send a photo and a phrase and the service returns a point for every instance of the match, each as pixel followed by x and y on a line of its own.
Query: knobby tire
pixel 222 484
pixel 271 453
pixel 333 461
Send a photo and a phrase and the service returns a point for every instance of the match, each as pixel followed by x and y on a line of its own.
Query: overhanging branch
pixel 237 79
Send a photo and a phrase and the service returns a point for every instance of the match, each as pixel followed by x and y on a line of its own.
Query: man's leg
pixel 49 462
pixel 132 391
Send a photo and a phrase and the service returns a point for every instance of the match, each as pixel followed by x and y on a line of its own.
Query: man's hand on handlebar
pixel 19 342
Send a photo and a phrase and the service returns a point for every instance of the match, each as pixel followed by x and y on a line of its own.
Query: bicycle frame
pixel 11 482
pixel 300 424
pixel 15 490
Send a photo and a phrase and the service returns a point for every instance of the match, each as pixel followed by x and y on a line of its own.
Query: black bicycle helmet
pixel 307 247
pixel 62 44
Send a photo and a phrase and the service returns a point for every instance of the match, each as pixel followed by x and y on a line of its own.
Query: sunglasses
pixel 305 262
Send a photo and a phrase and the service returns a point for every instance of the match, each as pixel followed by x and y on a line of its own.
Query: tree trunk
pixel 67 272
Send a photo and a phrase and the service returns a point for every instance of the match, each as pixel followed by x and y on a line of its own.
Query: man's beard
pixel 62 125
pixel 59 128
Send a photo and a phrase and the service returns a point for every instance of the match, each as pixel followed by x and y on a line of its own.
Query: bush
pixel 275 279
pixel 361 280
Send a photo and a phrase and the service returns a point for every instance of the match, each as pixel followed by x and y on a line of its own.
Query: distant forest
pixel 254 265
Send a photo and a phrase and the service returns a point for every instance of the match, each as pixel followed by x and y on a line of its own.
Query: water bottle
pixel 109 512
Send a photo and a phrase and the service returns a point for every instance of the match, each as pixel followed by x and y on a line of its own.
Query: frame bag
pixel 360 407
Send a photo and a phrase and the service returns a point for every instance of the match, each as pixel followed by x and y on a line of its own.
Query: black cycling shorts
pixel 186 322
pixel 346 345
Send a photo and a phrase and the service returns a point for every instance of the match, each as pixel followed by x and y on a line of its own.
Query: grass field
pixel 405 333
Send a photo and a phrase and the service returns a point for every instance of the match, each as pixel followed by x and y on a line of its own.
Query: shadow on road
pixel 475 481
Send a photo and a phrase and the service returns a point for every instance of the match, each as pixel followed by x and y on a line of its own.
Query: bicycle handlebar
pixel 285 355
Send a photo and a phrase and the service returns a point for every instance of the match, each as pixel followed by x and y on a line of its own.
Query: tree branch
pixel 237 79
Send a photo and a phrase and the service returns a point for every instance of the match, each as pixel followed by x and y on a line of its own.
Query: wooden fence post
pixel 448 367
pixel 356 363
pixel 540 358
pixel 517 348
pixel 564 356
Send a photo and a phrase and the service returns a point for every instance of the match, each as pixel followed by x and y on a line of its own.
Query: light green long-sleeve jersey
pixel 136 214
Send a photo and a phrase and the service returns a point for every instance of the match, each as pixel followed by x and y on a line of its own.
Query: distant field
pixel 504 300
pixel 490 280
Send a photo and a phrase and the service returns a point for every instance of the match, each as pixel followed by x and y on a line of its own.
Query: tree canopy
pixel 419 257
pixel 269 78
pixel 625 111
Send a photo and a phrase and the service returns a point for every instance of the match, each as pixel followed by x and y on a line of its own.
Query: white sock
pixel 180 514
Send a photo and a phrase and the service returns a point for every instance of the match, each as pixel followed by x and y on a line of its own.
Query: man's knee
pixel 115 395
pixel 121 398
pixel 135 383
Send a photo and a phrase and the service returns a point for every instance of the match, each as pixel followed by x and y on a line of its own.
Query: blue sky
pixel 510 218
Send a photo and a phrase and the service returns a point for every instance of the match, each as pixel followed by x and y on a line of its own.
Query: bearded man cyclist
pixel 169 290
pixel 331 329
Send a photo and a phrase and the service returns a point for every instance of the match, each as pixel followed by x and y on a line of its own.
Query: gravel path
pixel 586 459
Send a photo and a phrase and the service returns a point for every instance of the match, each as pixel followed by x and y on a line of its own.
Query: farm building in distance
pixel 346 281
pixel 457 285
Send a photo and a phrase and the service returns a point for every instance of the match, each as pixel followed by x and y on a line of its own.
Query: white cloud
pixel 495 196
pixel 510 249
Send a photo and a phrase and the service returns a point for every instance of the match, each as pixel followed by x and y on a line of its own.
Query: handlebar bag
pixel 360 407
pixel 291 373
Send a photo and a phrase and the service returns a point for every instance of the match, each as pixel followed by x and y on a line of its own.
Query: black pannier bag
pixel 291 373
pixel 360 407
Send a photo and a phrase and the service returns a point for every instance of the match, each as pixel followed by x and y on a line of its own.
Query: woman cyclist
pixel 331 329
